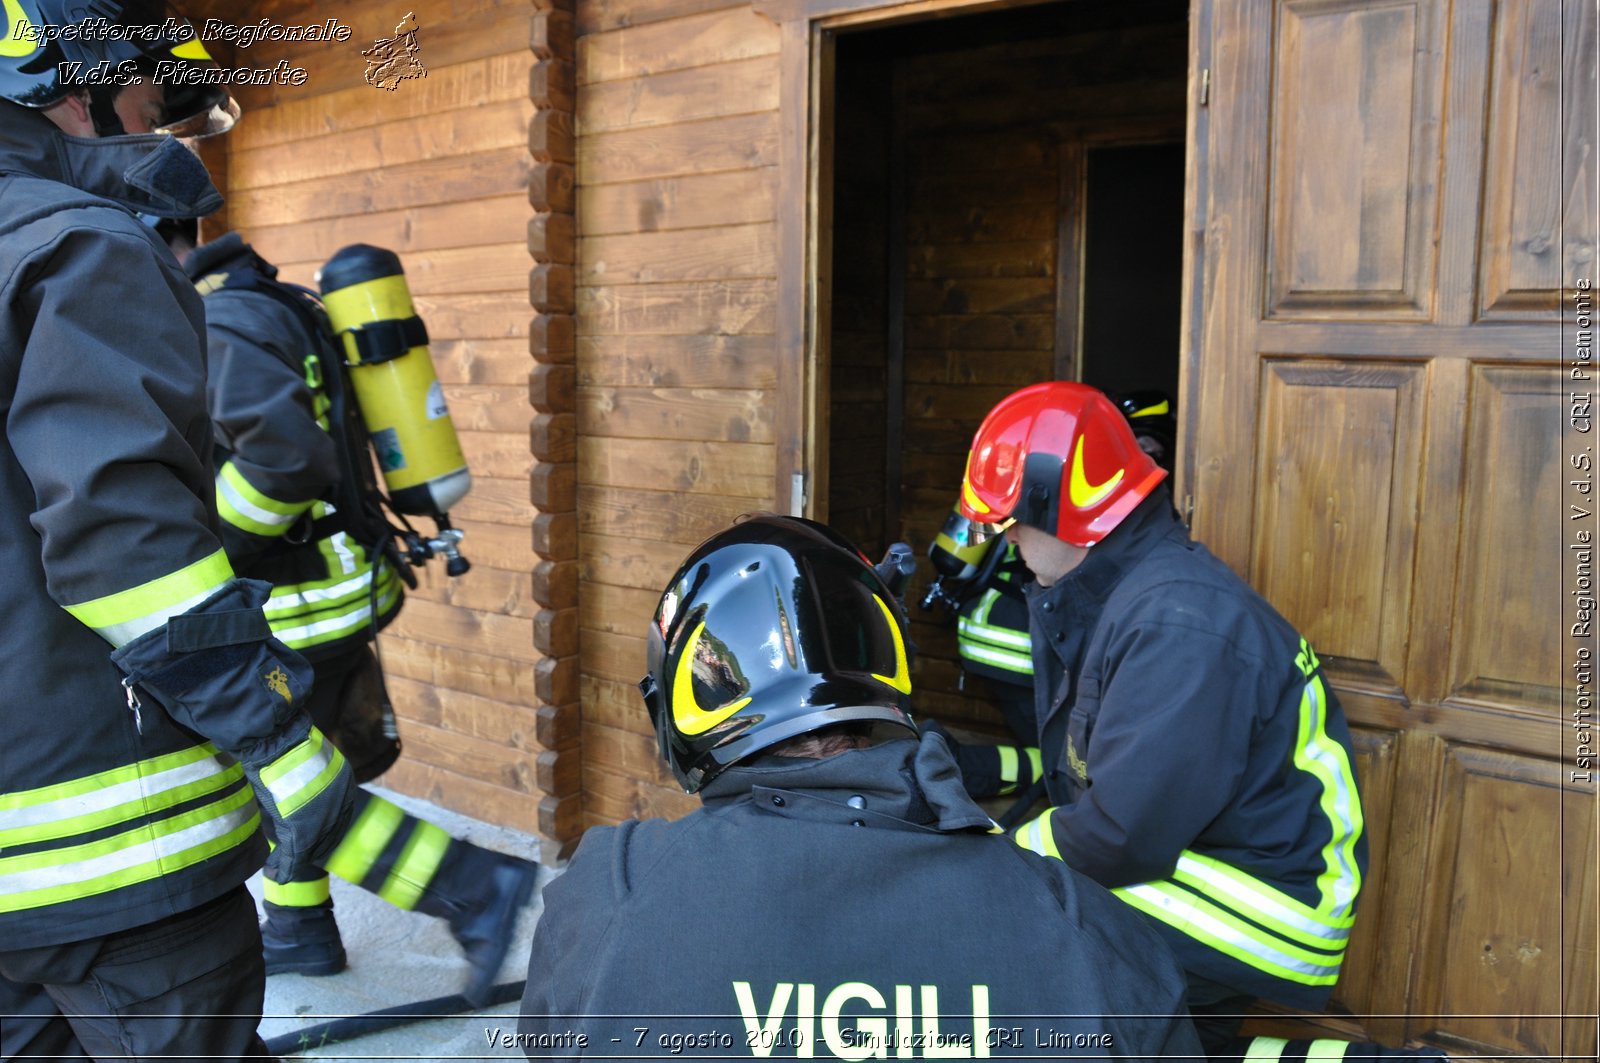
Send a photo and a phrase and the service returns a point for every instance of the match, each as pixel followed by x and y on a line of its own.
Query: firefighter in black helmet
pixel 820 901
pixel 151 723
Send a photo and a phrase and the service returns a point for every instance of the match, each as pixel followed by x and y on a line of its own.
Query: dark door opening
pixel 1007 207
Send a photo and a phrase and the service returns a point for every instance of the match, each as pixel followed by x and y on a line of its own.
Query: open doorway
pixel 1007 207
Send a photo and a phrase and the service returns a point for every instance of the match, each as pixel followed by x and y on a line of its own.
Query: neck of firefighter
pixel 1048 558
pixel 819 745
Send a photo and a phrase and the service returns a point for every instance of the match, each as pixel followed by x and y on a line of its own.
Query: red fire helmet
pixel 1059 457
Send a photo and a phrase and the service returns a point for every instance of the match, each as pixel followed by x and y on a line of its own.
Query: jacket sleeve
pixel 1177 714
pixel 108 423
pixel 263 411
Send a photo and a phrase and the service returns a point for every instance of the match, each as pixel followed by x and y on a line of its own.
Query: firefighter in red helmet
pixel 1196 762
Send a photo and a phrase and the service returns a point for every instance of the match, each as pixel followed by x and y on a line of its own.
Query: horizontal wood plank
pixel 742 469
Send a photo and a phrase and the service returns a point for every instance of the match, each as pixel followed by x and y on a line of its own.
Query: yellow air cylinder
pixel 953 553
pixel 391 372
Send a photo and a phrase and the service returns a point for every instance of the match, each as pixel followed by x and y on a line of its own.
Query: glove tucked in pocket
pixel 218 671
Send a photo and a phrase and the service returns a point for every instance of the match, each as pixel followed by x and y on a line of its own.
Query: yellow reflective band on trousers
pixel 242 505
pixel 371 833
pixel 1271 1048
pixel 418 863
pixel 122 617
pixel 1008 768
pixel 295 894
pixel 106 798
pixel 1011 767
pixel 298 776
pixel 148 851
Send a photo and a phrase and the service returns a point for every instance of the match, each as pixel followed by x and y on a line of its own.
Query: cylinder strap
pixel 383 341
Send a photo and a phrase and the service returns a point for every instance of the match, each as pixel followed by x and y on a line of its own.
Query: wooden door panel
pixel 1392 194
pixel 1493 972
pixel 1355 161
pixel 1535 214
pixel 1503 653
pixel 1337 464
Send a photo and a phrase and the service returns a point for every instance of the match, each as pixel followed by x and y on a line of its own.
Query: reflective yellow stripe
pixel 418 863
pixel 299 636
pixel 242 505
pixel 105 780
pixel 1011 662
pixel 1008 768
pixel 125 615
pixel 361 846
pixel 296 894
pixel 1261 902
pixel 298 776
pixel 1321 757
pixel 1266 1048
pixel 146 852
pixel 1230 935
pixel 1036 761
pixel 1039 835
pixel 149 795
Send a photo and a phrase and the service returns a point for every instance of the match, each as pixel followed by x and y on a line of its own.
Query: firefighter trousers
pixel 187 986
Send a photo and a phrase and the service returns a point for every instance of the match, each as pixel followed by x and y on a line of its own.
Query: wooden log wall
pixel 438 170
pixel 677 149
pixel 985 118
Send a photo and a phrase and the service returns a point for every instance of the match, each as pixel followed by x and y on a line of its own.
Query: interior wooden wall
pixel 978 124
pixel 437 170
pixel 677 148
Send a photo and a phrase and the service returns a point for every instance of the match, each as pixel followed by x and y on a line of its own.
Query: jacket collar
pixel 1073 601
pixel 224 254
pixel 901 784
pixel 148 174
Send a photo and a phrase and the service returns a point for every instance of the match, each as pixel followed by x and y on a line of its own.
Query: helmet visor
pixel 210 120
pixel 981 533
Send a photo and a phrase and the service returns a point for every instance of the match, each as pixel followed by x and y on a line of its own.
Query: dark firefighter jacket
pixel 1197 762
pixel 276 461
pixel 828 907
pixel 109 818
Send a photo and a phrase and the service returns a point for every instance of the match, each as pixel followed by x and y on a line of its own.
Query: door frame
pixel 808 29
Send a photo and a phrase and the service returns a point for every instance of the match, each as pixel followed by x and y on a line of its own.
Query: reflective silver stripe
pixel 157 848
pixel 111 796
pixel 347 558
pixel 1187 917
pixel 1000 636
pixel 290 635
pixel 1331 758
pixel 249 508
pixel 301 775
pixel 1011 662
pixel 121 634
pixel 1234 892
pixel 302 598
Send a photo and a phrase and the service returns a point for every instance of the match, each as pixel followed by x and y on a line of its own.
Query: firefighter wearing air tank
pixel 300 509
pixel 1197 762
pixel 982 581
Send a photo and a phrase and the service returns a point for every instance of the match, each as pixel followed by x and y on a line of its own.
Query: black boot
pixel 302 940
pixel 483 925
